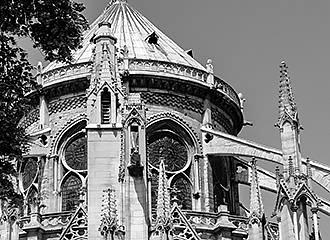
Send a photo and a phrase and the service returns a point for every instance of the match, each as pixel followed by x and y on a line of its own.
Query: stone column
pixel 196 183
pixel 315 223
pixel 206 189
pixel 279 222
pixel 295 222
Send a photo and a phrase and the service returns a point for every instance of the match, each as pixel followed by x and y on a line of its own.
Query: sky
pixel 247 40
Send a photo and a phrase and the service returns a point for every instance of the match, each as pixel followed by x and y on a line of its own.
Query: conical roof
pixel 132 29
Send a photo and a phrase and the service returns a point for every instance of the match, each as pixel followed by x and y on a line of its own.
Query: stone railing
pixel 157 67
pixel 221 85
pixel 204 219
pixel 49 221
pixel 240 222
pixel 167 67
pixel 66 72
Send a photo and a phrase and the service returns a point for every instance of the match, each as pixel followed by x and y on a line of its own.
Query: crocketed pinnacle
pixel 287 104
pixel 163 199
pixel 256 206
pixel 163 223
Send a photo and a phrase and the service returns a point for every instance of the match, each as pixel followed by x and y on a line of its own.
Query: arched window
pixel 105 106
pixel 29 173
pixel 73 168
pixel 170 143
pixel 70 193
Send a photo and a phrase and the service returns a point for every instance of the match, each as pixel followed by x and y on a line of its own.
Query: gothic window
pixel 70 193
pixel 183 192
pixel 76 154
pixel 171 150
pixel 29 173
pixel 105 106
pixel 166 144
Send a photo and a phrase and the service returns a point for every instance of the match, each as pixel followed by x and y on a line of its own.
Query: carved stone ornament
pixel 77 227
pixel 109 227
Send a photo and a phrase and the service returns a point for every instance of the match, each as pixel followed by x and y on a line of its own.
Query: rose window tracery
pixel 171 150
pixel 76 154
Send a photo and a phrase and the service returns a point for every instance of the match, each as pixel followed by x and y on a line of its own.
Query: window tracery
pixel 76 154
pixel 171 150
pixel 73 167
pixel 29 173
pixel 70 193
pixel 172 144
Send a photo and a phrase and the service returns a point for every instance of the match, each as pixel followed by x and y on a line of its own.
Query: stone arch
pixel 175 119
pixel 169 137
pixel 68 127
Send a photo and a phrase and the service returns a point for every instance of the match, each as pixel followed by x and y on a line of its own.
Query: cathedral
pixel 136 140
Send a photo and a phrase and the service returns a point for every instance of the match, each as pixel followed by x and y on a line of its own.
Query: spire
pixel 287 104
pixel 163 199
pixel 162 225
pixel 256 206
pixel 257 217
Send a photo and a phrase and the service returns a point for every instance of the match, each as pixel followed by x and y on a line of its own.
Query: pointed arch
pixel 170 138
pixel 105 106
pixel 71 127
pixel 31 198
pixel 177 123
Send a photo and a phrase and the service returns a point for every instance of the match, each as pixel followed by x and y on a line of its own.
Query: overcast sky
pixel 247 40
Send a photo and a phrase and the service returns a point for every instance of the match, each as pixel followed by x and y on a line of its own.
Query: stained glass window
pixel 76 154
pixel 29 172
pixel 173 152
pixel 70 193
pixel 154 193
pixel 184 195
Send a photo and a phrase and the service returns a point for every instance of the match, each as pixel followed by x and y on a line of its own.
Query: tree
pixel 55 27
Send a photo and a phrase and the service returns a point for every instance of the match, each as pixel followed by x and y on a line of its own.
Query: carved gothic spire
pixel 287 104
pixel 256 206
pixel 163 223
pixel 257 217
pixel 163 199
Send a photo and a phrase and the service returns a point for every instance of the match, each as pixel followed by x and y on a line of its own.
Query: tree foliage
pixel 55 27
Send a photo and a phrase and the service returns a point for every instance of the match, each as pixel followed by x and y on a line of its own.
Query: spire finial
pixel 287 104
